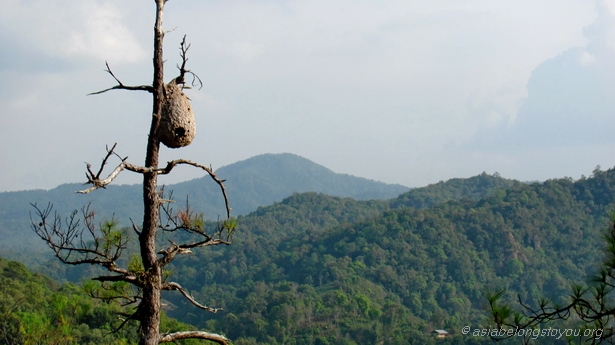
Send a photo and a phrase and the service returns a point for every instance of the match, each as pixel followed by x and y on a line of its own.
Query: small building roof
pixel 440 331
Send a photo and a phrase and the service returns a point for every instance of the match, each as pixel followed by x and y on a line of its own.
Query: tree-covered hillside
pixel 251 183
pixel 317 269
pixel 331 274
pixel 473 188
pixel 37 310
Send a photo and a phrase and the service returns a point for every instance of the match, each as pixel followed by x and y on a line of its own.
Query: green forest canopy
pixel 316 269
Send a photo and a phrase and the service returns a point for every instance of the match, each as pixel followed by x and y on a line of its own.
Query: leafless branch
pixel 75 243
pixel 121 86
pixel 11 309
pixel 102 166
pixel 97 182
pixel 176 249
pixel 124 322
pixel 125 294
pixel 209 170
pixel 183 49
pixel 177 287
pixel 186 220
pixel 135 227
pixel 170 252
pixel 124 299
pixel 128 278
pixel 216 338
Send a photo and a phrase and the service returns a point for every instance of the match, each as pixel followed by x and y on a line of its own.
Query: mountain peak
pixel 257 181
pixel 272 177
pixel 275 163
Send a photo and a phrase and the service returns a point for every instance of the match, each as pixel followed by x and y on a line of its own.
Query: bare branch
pixel 135 228
pixel 124 322
pixel 170 252
pixel 177 287
pixel 209 170
pixel 123 294
pixel 128 278
pixel 97 182
pixel 95 179
pixel 183 49
pixel 174 248
pixel 78 240
pixel 121 86
pixel 216 338
pixel 186 220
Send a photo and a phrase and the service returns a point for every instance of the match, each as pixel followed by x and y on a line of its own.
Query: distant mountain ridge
pixel 281 175
pixel 254 182
pixel 472 188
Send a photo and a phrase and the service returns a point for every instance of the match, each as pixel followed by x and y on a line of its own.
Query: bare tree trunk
pixel 68 238
pixel 149 312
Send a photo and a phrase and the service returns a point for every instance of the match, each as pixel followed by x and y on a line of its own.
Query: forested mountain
pixel 319 269
pixel 254 182
pixel 268 178
pixel 330 274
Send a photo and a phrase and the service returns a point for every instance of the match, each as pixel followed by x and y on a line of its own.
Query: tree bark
pixel 149 309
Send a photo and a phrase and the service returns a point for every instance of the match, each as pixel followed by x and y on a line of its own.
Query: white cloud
pixel 389 89
pixel 86 28
pixel 602 31
pixel 587 59
pixel 565 123
pixel 103 33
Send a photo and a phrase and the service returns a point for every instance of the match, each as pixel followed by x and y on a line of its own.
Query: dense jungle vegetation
pixel 317 269
pixel 34 309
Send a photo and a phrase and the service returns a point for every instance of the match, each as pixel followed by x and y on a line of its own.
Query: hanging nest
pixel 177 125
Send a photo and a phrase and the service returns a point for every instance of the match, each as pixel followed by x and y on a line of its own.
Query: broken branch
pixel 183 49
pixel 175 286
pixel 209 170
pixel 97 182
pixel 216 338
pixel 121 86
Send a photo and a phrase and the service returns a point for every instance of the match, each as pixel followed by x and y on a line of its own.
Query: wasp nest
pixel 177 125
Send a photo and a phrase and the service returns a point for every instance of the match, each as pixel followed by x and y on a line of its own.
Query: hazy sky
pixel 402 91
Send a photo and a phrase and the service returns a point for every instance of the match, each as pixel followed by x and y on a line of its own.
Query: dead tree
pixel 78 239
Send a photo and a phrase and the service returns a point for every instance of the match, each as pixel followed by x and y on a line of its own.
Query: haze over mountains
pixel 254 182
